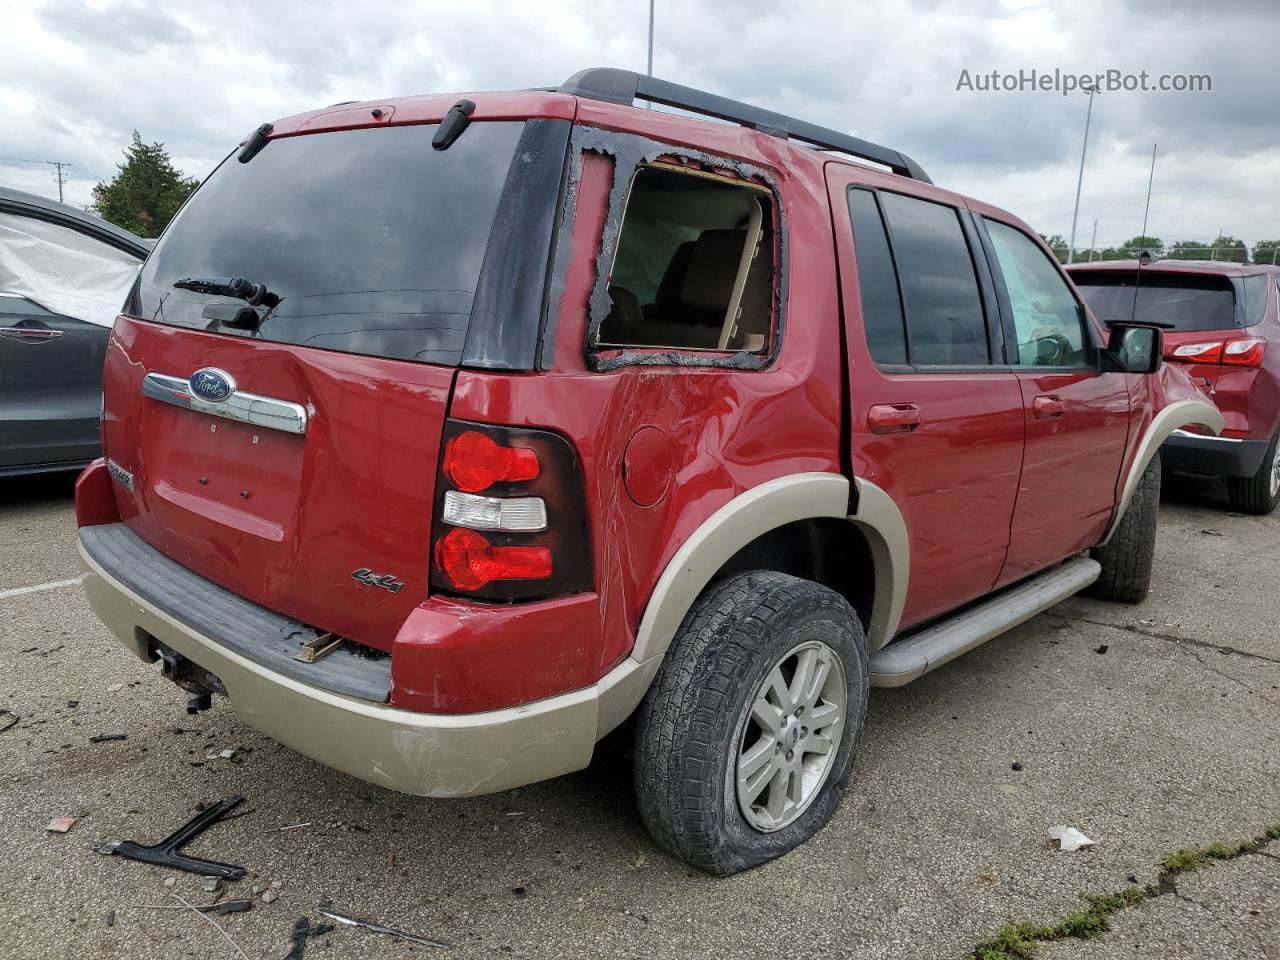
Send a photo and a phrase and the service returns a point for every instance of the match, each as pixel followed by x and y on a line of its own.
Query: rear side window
pixel 945 323
pixel 372 240
pixel 694 268
pixel 1188 301
pixel 1255 298
pixel 877 282
pixel 1047 319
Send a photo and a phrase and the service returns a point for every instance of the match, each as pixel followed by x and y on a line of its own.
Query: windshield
pixel 1189 302
pixel 372 240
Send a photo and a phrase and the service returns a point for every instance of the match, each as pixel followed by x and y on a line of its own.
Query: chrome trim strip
pixel 246 407
pixel 1202 436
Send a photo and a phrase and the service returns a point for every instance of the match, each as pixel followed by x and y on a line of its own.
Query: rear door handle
pixel 30 334
pixel 893 417
pixel 1047 407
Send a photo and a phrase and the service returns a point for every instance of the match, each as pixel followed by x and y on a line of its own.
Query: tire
pixel 1127 558
pixel 697 721
pixel 1260 493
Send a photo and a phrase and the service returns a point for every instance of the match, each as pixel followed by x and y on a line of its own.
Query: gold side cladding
pixel 1180 413
pixel 878 517
pixel 435 755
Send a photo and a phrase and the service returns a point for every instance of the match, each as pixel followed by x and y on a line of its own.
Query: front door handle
pixel 893 417
pixel 30 334
pixel 1047 407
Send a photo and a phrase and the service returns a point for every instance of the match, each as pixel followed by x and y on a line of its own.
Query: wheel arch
pixel 801 505
pixel 808 505
pixel 1179 413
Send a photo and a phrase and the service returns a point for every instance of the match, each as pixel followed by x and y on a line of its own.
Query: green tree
pixel 146 191
pixel 1230 249
pixel 1266 251
pixel 1140 243
pixel 1058 244
pixel 1189 250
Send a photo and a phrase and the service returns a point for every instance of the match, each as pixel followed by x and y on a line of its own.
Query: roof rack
pixel 627 86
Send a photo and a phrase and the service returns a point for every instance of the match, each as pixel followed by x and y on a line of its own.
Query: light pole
pixel 1071 244
pixel 650 70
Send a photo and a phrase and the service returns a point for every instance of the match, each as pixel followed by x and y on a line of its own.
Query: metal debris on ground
pixel 217 909
pixel 325 910
pixel 208 919
pixel 1069 838
pixel 1209 532
pixel 9 719
pixel 61 824
pixel 104 737
pixel 167 853
pixel 292 826
pixel 302 932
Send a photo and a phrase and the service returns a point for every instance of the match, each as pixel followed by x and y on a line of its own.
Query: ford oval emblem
pixel 211 385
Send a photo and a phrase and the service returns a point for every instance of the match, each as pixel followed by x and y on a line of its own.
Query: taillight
pixel 1210 352
pixel 474 462
pixel 471 562
pixel 1244 353
pixel 511 518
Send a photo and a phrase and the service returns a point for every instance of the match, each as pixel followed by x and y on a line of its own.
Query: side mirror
pixel 1135 348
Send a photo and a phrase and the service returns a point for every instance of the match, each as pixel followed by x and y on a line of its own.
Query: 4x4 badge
pixel 371 579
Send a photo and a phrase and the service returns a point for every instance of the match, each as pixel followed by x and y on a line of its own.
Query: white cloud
pixel 79 76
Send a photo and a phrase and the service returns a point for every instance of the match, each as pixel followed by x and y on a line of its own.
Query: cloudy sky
pixel 79 75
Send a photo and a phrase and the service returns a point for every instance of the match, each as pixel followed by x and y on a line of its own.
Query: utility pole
pixel 58 177
pixel 1071 244
pixel 1093 240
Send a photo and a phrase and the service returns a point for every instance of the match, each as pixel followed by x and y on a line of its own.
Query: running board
pixel 908 659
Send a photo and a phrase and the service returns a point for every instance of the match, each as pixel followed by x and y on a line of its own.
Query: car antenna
pixel 1144 258
pixel 454 123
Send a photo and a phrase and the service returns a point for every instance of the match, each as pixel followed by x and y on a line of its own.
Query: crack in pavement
pixel 1171 638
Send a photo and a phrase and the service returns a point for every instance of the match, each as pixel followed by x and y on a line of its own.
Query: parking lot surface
pixel 1150 728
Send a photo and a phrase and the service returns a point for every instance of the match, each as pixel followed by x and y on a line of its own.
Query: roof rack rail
pixel 627 86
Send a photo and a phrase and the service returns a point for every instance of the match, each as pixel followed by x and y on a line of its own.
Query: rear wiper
pixel 252 293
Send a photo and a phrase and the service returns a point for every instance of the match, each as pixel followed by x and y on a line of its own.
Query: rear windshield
pixel 372 240
pixel 1187 301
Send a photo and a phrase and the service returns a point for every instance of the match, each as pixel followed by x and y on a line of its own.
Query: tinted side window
pixel 877 281
pixel 1255 299
pixel 1046 317
pixel 945 324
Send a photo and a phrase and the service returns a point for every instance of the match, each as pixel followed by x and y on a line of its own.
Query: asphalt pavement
pixel 1151 728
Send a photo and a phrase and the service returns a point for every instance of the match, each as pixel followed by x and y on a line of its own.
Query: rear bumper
pixel 437 755
pixel 1187 452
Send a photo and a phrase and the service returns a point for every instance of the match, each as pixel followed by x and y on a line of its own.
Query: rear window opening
pixel 694 269
pixel 1189 302
pixel 373 241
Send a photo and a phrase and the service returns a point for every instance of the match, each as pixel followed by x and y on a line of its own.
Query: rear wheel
pixel 1127 557
pixel 746 739
pixel 1260 493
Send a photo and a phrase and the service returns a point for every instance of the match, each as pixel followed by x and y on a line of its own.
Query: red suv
pixel 1219 318
pixel 445 436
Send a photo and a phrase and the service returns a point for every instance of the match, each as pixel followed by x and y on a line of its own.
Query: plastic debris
pixel 104 737
pixel 210 884
pixel 167 853
pixel 302 932
pixel 61 824
pixel 1069 838
pixel 10 719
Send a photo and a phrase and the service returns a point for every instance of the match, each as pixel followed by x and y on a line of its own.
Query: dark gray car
pixel 50 354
